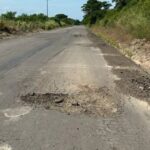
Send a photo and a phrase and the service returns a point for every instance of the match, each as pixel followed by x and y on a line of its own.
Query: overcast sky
pixel 72 8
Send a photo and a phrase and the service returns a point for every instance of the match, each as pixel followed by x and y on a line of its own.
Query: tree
pixel 106 5
pixel 9 15
pixel 77 22
pixel 61 16
pixel 120 3
pixel 94 10
pixel 42 17
pixel 23 17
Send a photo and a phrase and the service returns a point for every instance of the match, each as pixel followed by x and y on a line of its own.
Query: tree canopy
pixel 121 3
pixel 9 15
pixel 94 10
pixel 59 18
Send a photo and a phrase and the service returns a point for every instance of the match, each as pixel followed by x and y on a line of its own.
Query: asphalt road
pixel 112 95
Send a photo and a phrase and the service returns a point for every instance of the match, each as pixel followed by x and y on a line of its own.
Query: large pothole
pixel 98 102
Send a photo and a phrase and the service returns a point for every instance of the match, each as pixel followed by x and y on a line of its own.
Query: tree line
pixel 38 18
pixel 95 10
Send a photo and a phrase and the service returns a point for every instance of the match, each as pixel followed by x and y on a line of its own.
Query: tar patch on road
pixel 89 101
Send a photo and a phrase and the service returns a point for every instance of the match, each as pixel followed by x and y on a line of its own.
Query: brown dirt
pixel 133 83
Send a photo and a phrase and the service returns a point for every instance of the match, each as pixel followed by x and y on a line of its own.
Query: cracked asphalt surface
pixel 109 96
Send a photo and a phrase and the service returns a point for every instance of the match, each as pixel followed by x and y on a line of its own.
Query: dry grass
pixel 9 26
pixel 135 49
pixel 116 37
pixel 113 33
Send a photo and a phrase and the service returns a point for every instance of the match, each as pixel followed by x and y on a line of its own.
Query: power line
pixel 47 5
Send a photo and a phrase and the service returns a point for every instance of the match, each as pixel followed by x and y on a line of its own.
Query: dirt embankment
pixel 140 49
pixel 137 50
pixel 7 33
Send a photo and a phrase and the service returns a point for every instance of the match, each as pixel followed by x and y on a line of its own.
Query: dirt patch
pixel 97 102
pixel 6 32
pixel 47 100
pixel 134 83
pixel 140 49
pixel 77 35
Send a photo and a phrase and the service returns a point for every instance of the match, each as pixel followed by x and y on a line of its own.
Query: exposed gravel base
pixel 97 102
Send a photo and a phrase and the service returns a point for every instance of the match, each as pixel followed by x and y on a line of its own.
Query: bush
pixel 9 22
pixel 51 24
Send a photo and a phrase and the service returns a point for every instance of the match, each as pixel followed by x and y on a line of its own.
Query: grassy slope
pixel 122 28
pixel 134 18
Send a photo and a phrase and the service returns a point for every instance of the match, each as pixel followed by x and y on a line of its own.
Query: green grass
pixel 134 18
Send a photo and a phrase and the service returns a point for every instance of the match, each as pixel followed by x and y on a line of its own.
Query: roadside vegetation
pixel 131 16
pixel 125 25
pixel 10 22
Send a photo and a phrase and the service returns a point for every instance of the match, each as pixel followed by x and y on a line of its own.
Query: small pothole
pixel 45 99
pixel 77 35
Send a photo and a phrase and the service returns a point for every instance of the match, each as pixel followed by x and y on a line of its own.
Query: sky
pixel 72 8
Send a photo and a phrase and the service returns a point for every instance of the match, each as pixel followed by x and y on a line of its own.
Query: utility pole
pixel 47 8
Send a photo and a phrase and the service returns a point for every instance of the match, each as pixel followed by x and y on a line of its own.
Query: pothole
pixel 89 101
pixel 47 99
pixel 77 35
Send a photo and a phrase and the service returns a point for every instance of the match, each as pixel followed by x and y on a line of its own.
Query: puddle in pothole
pixel 89 101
